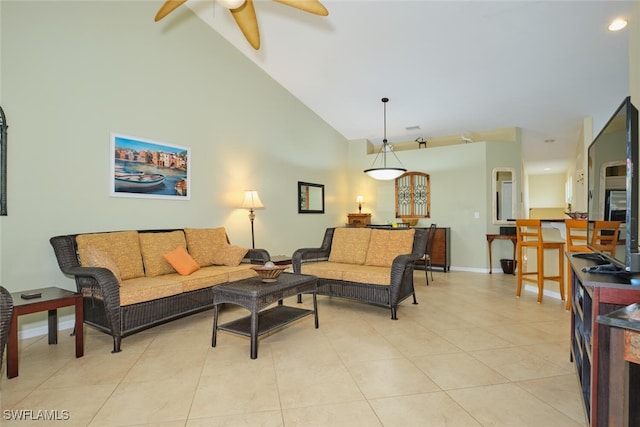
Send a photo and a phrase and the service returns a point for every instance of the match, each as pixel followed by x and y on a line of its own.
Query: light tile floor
pixel 469 354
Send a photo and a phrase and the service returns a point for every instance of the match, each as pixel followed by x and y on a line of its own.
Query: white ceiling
pixel 446 66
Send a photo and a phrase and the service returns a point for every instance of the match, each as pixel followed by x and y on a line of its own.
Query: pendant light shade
pixel 384 172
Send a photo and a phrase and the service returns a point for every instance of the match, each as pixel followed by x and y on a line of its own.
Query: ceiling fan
pixel 465 139
pixel 245 15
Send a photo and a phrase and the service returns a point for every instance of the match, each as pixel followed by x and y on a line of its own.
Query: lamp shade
pixel 251 200
pixel 359 199
pixel 385 174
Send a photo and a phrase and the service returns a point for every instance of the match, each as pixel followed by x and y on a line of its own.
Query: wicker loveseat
pixel 130 280
pixel 369 265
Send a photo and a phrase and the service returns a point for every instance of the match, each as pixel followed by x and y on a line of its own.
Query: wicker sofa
pixel 130 280
pixel 369 265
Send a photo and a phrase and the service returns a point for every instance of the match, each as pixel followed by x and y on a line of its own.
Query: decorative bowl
pixel 412 222
pixel 577 215
pixel 269 274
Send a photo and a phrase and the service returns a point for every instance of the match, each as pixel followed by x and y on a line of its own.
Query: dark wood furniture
pixel 441 251
pixel 359 219
pixel 594 295
pixel 624 365
pixel 281 259
pixel 492 237
pixel 51 300
pixel 254 295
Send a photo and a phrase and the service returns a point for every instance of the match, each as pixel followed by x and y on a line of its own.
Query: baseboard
pixel 64 323
pixel 546 292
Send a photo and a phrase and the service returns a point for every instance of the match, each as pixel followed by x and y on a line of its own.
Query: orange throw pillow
pixel 181 261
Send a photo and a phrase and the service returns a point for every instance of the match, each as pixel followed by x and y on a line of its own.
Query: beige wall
pixel 547 191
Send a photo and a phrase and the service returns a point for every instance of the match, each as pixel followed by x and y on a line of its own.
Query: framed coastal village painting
pixel 149 169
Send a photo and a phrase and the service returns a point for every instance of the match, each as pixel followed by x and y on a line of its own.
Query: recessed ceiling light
pixel 547 168
pixel 618 24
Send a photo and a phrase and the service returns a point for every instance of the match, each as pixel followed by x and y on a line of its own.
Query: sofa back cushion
pixel 97 258
pixel 153 247
pixel 122 247
pixel 349 245
pixel 385 245
pixel 230 255
pixel 204 243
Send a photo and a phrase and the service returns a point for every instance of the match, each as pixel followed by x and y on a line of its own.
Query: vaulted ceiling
pixel 448 67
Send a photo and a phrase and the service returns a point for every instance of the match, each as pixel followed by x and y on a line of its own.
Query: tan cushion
pixel 153 247
pixel 181 261
pixel 204 243
pixel 367 274
pixel 142 289
pixel 324 269
pixel 206 277
pixel 349 245
pixel 122 247
pixel 385 245
pixel 97 258
pixel 349 272
pixel 230 255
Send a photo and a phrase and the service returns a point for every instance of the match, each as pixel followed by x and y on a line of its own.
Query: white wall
pixel 72 72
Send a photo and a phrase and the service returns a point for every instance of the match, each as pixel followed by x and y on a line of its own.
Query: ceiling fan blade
pixel 245 17
pixel 311 6
pixel 168 7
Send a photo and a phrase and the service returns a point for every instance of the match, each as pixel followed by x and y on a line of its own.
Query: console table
pixel 492 237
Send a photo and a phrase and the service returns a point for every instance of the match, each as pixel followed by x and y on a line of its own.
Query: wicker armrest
pixel 97 277
pixel 306 254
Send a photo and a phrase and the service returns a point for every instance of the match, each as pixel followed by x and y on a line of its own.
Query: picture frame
pixel 143 168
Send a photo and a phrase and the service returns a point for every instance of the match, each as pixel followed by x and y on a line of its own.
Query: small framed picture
pixel 149 169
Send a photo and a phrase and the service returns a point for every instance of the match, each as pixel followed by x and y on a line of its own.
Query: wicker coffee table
pixel 254 295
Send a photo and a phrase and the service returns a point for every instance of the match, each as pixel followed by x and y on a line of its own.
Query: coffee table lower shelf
pixel 268 320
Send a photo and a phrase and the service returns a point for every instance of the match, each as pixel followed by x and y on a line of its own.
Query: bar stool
pixel 576 232
pixel 605 236
pixel 529 235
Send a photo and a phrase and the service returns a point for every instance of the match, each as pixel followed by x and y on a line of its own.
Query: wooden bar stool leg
pixel 561 270
pixel 569 285
pixel 540 275
pixel 520 268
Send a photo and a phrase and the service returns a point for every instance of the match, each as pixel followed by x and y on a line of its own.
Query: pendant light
pixel 384 172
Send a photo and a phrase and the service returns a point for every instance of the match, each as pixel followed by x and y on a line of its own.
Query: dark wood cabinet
pixel 441 255
pixel 595 295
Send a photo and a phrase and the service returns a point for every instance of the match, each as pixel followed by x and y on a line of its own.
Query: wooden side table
pixel 281 259
pixel 51 300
